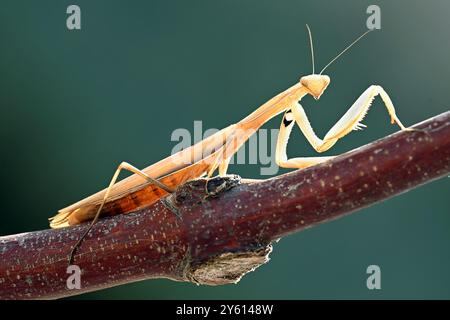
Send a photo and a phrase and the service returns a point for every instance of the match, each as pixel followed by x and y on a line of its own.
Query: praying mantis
pixel 147 186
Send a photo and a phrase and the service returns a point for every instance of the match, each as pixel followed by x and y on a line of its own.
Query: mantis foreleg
pixel 348 122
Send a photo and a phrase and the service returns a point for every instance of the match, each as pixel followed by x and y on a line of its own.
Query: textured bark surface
pixel 216 240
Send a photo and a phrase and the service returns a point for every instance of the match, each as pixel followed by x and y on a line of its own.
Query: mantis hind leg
pixel 122 166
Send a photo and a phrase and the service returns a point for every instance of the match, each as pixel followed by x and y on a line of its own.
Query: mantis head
pixel 317 83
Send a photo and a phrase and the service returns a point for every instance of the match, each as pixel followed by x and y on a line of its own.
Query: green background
pixel 73 104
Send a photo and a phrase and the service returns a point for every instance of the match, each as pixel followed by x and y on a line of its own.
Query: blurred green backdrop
pixel 73 104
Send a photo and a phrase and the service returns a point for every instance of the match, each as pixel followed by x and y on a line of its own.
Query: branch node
pixel 199 190
pixel 229 267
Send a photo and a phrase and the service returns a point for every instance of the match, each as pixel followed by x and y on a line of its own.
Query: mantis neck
pixel 280 103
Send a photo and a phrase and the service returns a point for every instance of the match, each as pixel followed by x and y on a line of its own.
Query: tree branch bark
pixel 216 240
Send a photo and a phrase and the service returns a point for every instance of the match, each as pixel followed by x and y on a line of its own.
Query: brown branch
pixel 216 240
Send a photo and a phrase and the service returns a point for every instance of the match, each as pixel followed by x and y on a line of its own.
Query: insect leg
pixel 232 145
pixel 223 167
pixel 352 118
pixel 283 136
pixel 122 166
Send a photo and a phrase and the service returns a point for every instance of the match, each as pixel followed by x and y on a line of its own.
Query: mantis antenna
pixel 312 48
pixel 343 51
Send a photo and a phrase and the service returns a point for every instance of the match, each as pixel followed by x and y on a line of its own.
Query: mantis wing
pixel 133 192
